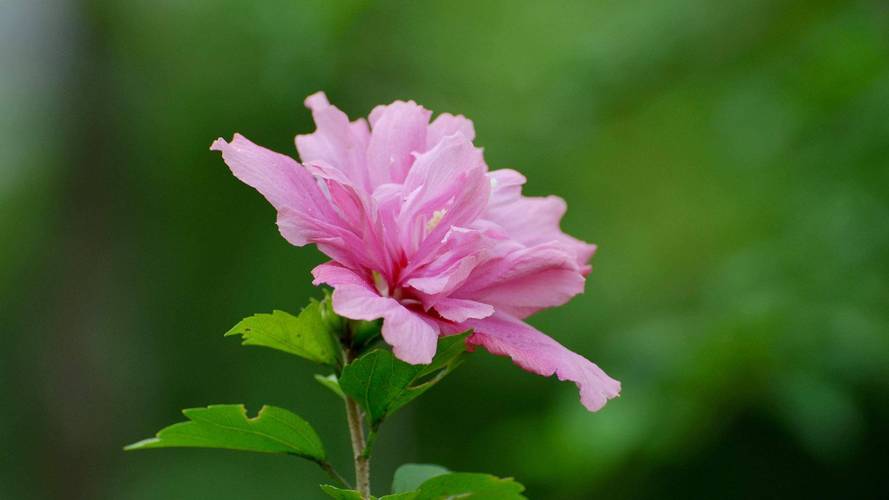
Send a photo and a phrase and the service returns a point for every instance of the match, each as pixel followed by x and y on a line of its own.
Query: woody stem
pixel 362 461
pixel 356 429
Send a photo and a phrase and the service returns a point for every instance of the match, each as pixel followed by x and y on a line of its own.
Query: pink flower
pixel 423 235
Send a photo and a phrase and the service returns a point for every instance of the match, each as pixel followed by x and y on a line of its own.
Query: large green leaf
pixel 310 335
pixel 272 430
pixel 409 477
pixel 381 383
pixel 466 485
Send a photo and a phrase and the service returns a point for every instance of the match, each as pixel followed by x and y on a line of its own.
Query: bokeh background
pixel 730 158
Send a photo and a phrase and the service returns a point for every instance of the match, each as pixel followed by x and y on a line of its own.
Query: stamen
pixel 437 216
pixel 380 284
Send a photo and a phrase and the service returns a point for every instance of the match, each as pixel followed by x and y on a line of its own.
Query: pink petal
pixel 284 183
pixel 521 281
pixel 345 197
pixel 334 274
pixel 443 279
pixel 412 337
pixel 361 302
pixel 447 124
pixel 359 210
pixel 446 187
pixel 459 310
pixel 397 131
pixel 336 141
pixel 536 352
pixel 532 220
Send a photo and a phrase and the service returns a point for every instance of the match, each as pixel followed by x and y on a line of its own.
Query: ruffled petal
pixel 397 131
pixel 521 281
pixel 447 124
pixel 334 274
pixel 336 141
pixel 532 220
pixel 285 184
pixel 413 338
pixel 442 279
pixel 360 302
pixel 446 187
pixel 538 353
pixel 459 310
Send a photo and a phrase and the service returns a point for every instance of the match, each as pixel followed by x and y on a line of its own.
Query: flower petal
pixel 397 131
pixel 361 302
pixel 284 183
pixel 447 124
pixel 521 281
pixel 441 280
pixel 536 352
pixel 459 310
pixel 334 274
pixel 336 141
pixel 446 187
pixel 532 220
pixel 413 338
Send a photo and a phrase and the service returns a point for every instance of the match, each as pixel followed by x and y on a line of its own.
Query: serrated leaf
pixel 272 430
pixel 382 384
pixel 309 335
pixel 332 383
pixel 409 477
pixel 341 494
pixel 466 485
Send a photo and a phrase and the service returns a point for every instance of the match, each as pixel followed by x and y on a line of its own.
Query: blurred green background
pixel 730 158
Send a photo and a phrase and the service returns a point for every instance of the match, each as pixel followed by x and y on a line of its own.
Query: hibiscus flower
pixel 423 235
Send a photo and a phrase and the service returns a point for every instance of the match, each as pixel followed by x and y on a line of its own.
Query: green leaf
pixel 466 485
pixel 341 494
pixel 409 477
pixel 331 383
pixel 272 430
pixel 382 384
pixel 308 335
pixel 365 332
pixel 334 321
pixel 448 354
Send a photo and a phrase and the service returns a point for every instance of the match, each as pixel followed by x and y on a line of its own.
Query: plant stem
pixel 328 468
pixel 369 444
pixel 362 462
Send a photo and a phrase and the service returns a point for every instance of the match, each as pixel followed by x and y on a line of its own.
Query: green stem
pixel 371 439
pixel 328 468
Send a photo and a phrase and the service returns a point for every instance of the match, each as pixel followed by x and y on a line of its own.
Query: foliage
pixel 308 335
pixel 272 430
pixel 433 482
pixel 409 477
pixel 376 379
pixel 382 384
